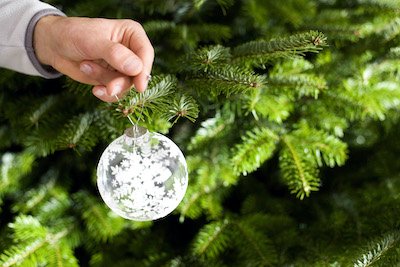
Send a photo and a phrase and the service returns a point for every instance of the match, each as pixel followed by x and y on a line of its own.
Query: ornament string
pixel 135 125
pixel 129 118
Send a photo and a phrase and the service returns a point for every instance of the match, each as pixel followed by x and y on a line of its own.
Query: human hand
pixel 112 55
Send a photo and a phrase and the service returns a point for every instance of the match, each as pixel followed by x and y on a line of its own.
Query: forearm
pixel 18 19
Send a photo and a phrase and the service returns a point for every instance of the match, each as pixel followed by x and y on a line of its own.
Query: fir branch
pixel 259 53
pixel 156 26
pixel 17 255
pixel 378 250
pixel 208 32
pixel 211 129
pixel 205 191
pixel 12 168
pixel 27 228
pixel 48 203
pixel 254 246
pixel 77 88
pixel 212 239
pixel 44 107
pixel 362 98
pixel 210 181
pixel 62 256
pixel 202 4
pixel 330 122
pixel 107 126
pixel 45 139
pixel 152 102
pixel 391 30
pixel 382 4
pixel 188 36
pixel 299 172
pixel 77 132
pixel 292 12
pixel 335 24
pixel 300 85
pixel 257 146
pixel 34 197
pixel 34 242
pixel 345 104
pixel 343 32
pixel 275 108
pixel 294 66
pixel 394 52
pixel 101 222
pixel 305 149
pixel 55 209
pixel 193 205
pixel 206 58
pixel 183 107
pixel 190 206
pixel 227 80
pixel 84 123
pixel 159 88
pixel 323 147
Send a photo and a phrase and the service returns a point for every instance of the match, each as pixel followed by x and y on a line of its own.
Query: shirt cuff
pixel 45 70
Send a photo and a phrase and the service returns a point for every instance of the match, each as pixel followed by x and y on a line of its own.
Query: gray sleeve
pixel 18 19
pixel 44 70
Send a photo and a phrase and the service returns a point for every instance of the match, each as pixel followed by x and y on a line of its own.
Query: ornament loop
pixel 135 131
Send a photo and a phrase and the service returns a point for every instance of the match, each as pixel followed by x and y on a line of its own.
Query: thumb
pixel 120 58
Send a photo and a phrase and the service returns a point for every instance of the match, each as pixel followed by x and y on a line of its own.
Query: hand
pixel 112 55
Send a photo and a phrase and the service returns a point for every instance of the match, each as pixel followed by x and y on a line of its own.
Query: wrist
pixel 44 39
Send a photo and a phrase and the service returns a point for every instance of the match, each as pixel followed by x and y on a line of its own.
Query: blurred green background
pixel 293 154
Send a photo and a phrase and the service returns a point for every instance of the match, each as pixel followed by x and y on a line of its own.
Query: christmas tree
pixel 286 111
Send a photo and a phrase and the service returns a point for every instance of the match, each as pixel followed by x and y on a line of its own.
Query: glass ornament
pixel 142 175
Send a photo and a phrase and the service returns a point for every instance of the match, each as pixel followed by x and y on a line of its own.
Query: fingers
pixel 141 81
pixel 100 92
pixel 141 46
pixel 134 56
pixel 71 69
pixel 114 82
pixel 122 44
pixel 122 58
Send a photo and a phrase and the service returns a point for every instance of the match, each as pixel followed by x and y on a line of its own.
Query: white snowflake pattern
pixel 115 170
pixel 125 163
pixel 147 182
pixel 115 183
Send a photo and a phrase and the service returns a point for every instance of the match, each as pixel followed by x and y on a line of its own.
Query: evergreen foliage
pixel 372 256
pixel 287 112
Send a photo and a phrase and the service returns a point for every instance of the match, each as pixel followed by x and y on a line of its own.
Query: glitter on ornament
pixel 142 175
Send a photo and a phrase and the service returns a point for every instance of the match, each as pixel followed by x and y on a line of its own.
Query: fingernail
pixel 100 91
pixel 146 81
pixel 85 68
pixel 131 66
pixel 117 89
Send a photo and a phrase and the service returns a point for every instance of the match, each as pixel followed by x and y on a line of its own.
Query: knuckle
pixel 134 26
pixel 114 52
pixel 129 23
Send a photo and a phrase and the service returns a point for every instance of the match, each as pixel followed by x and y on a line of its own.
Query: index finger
pixel 142 47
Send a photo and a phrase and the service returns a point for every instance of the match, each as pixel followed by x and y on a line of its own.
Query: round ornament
pixel 142 175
